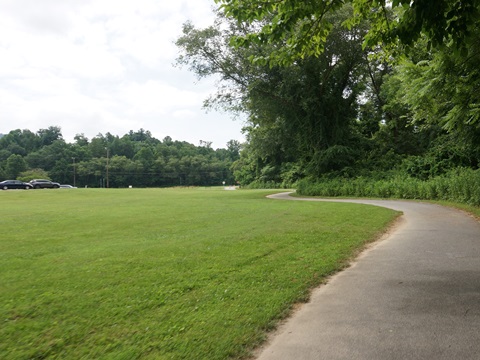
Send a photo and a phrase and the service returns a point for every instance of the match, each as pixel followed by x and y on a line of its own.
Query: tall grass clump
pixel 258 185
pixel 459 185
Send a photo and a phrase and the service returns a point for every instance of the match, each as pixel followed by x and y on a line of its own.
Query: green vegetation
pixel 298 30
pixel 348 93
pixel 462 186
pixel 342 98
pixel 334 92
pixel 136 159
pixel 163 273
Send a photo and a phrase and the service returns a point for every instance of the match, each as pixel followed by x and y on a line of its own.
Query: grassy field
pixel 162 273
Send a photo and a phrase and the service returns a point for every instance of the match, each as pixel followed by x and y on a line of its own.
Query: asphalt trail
pixel 414 295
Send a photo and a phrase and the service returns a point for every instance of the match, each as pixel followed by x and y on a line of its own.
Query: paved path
pixel 414 295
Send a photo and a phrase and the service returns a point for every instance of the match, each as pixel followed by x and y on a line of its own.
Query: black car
pixel 15 184
pixel 44 184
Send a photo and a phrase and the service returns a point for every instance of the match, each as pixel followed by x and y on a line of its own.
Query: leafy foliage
pixel 300 29
pixel 459 185
pixel 136 159
pixel 333 107
pixel 296 112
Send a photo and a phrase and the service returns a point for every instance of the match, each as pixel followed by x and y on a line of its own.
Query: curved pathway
pixel 414 295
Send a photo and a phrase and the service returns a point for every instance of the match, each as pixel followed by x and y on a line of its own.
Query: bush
pixel 460 185
pixel 33 174
pixel 257 184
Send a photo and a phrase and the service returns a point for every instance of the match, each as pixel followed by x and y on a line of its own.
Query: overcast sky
pixel 98 66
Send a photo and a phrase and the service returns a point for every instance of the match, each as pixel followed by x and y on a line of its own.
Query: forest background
pixel 360 97
pixel 135 159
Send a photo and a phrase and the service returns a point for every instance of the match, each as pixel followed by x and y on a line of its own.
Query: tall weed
pixel 460 185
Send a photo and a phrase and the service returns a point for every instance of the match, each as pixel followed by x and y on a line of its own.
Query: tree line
pixel 355 89
pixel 136 159
pixel 345 89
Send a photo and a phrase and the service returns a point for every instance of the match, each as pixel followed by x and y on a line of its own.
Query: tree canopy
pixel 136 158
pixel 300 28
pixel 337 88
pixel 344 88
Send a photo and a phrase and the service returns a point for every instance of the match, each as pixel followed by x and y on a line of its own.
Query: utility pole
pixel 107 167
pixel 74 182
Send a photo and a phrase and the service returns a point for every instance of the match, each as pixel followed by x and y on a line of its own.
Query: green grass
pixel 162 273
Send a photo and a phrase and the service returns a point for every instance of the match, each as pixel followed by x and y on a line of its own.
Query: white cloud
pixel 184 114
pixel 103 66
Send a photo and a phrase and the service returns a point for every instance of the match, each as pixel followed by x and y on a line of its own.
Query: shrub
pixel 460 185
pixel 33 174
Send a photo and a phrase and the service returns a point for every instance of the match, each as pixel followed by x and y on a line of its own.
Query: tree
pixel 49 135
pixel 124 172
pixel 98 146
pixel 123 146
pixel 296 112
pixel 233 148
pixel 207 52
pixel 444 89
pixel 15 165
pixel 47 157
pixel 81 139
pixel 20 142
pixel 140 135
pixel 136 158
pixel 300 28
pixel 33 174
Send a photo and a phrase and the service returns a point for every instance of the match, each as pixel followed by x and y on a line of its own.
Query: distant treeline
pixel 136 159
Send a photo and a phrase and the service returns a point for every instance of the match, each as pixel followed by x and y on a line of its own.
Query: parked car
pixel 15 184
pixel 65 186
pixel 44 184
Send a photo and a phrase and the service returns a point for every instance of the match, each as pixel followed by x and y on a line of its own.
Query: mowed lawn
pixel 163 273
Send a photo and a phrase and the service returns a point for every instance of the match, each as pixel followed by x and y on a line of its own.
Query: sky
pixel 97 66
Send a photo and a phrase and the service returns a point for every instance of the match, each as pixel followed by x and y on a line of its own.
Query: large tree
pixel 443 89
pixel 301 27
pixel 303 112
pixel 14 166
